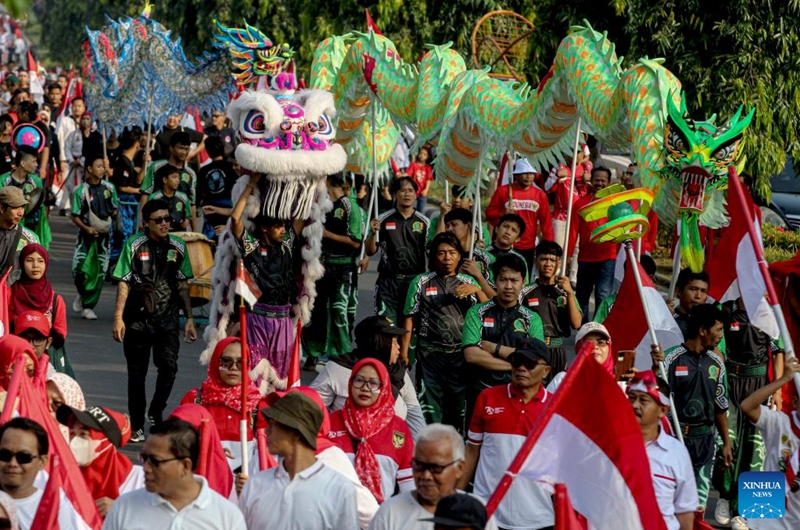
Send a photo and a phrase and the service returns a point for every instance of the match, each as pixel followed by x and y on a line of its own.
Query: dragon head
pixel 252 53
pixel 288 136
pixel 700 152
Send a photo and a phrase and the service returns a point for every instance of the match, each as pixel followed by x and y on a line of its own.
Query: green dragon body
pixel 469 115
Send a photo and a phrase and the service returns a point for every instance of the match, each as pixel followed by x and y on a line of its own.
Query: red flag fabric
pixel 566 518
pixel 626 322
pixel 597 452
pixel 246 287
pixel 371 25
pixel 293 378
pixel 5 293
pixel 786 278
pixel 33 404
pixel 745 280
pixel 47 513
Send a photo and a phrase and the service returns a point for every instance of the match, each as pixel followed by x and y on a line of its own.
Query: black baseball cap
pixel 460 510
pixel 377 325
pixel 114 425
pixel 533 349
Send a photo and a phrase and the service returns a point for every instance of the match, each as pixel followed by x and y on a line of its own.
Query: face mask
pixel 84 450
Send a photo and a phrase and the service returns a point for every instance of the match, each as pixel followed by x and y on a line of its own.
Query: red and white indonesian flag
pixel 597 452
pixel 745 280
pixel 5 299
pixel 628 326
pixel 246 287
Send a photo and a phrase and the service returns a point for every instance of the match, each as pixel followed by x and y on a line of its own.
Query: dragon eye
pixel 677 141
pixel 725 152
pixel 325 126
pixel 254 123
pixel 286 125
pixel 312 127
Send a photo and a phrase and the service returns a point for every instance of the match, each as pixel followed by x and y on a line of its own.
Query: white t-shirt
pixel 779 442
pixel 142 510
pixel 673 478
pixel 68 519
pixel 403 512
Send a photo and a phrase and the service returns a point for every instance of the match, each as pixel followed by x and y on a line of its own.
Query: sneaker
pixel 739 523
pixel 154 420
pixel 88 314
pixel 137 436
pixel 77 304
pixel 722 513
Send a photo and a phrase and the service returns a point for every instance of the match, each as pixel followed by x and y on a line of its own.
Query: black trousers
pixel 137 345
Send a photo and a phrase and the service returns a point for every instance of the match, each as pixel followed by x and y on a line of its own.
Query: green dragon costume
pixel 470 115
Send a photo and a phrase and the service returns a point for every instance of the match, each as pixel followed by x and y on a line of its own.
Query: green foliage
pixel 727 54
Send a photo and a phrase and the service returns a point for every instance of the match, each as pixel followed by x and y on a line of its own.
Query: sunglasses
pixel 228 363
pixel 517 361
pixel 629 173
pixel 435 469
pixel 161 220
pixel 144 458
pixel 22 458
pixel 372 386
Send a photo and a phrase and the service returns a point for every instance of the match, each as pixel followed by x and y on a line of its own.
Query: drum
pixel 201 256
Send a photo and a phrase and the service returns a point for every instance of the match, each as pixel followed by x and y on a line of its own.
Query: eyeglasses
pixel 599 342
pixel 37 341
pixel 435 469
pixel 144 458
pixel 161 220
pixel 22 458
pixel 228 363
pixel 372 385
pixel 629 173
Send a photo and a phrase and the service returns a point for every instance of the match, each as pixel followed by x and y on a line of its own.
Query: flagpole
pixel 565 244
pixel 652 331
pixel 245 418
pixel 150 124
pixel 735 186
pixel 676 270
pixel 105 151
pixel 446 192
pixel 476 206
pixel 374 120
pixel 366 232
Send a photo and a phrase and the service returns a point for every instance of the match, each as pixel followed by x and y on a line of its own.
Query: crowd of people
pixel 415 412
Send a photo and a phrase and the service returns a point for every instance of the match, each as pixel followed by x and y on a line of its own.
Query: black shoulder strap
pixel 198 398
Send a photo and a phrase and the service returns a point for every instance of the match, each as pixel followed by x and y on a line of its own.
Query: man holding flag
pixel 696 375
pixel 670 465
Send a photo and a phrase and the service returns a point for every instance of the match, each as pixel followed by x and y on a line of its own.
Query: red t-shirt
pixel 225 418
pixel 531 204
pixel 588 252
pixel 421 173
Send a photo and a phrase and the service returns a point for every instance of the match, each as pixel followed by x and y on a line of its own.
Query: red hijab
pixel 11 347
pixel 362 423
pixel 28 294
pixel 213 463
pixel 609 364
pixel 216 392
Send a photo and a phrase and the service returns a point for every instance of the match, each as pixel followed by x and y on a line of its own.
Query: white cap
pixel 523 166
pixel 592 327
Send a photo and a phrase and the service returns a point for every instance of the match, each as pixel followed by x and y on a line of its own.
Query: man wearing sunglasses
pixel 23 454
pixel 437 466
pixel 153 273
pixel 504 416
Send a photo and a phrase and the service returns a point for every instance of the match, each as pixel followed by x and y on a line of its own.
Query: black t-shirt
pixel 698 384
pixel 550 303
pixel 342 221
pixel 745 343
pixel 92 144
pixel 270 267
pixel 125 174
pixel 164 136
pixel 215 182
pixel 403 243
pixel 228 137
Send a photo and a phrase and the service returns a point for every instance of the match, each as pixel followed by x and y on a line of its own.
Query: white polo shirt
pixel 142 510
pixel 500 424
pixel 317 497
pixel 403 512
pixel 68 518
pixel 780 442
pixel 673 478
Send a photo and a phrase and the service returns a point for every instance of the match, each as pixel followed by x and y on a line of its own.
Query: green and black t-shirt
pixel 403 244
pixel 550 303
pixel 342 221
pixel 697 381
pixel 270 267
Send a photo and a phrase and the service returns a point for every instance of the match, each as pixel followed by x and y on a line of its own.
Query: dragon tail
pixel 690 245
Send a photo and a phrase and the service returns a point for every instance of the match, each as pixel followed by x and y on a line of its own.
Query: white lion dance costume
pixel 288 136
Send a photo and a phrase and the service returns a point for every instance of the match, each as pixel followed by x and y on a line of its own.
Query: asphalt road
pixel 98 360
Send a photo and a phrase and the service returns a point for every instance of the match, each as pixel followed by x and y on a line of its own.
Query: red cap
pixel 32 320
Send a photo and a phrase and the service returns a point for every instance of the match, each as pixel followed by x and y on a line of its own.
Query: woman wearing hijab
pixel 376 338
pixel 64 390
pixel 96 434
pixel 368 430
pixel 9 520
pixel 327 452
pixel 34 292
pixel 597 335
pixel 212 462
pixel 221 395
